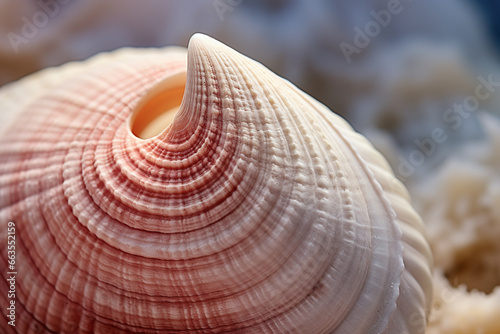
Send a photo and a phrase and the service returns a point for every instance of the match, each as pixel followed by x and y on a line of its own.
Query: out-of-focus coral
pixel 457 311
pixel 416 84
pixel 460 204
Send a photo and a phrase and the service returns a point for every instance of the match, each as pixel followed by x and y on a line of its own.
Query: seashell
pixel 254 209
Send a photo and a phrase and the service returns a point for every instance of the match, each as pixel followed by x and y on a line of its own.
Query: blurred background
pixel 419 78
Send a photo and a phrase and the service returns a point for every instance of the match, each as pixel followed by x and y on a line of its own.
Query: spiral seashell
pixel 252 208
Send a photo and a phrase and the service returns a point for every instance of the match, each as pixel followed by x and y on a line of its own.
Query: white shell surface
pixel 257 210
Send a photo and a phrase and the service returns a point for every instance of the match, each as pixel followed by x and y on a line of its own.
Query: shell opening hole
pixel 476 267
pixel 158 108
